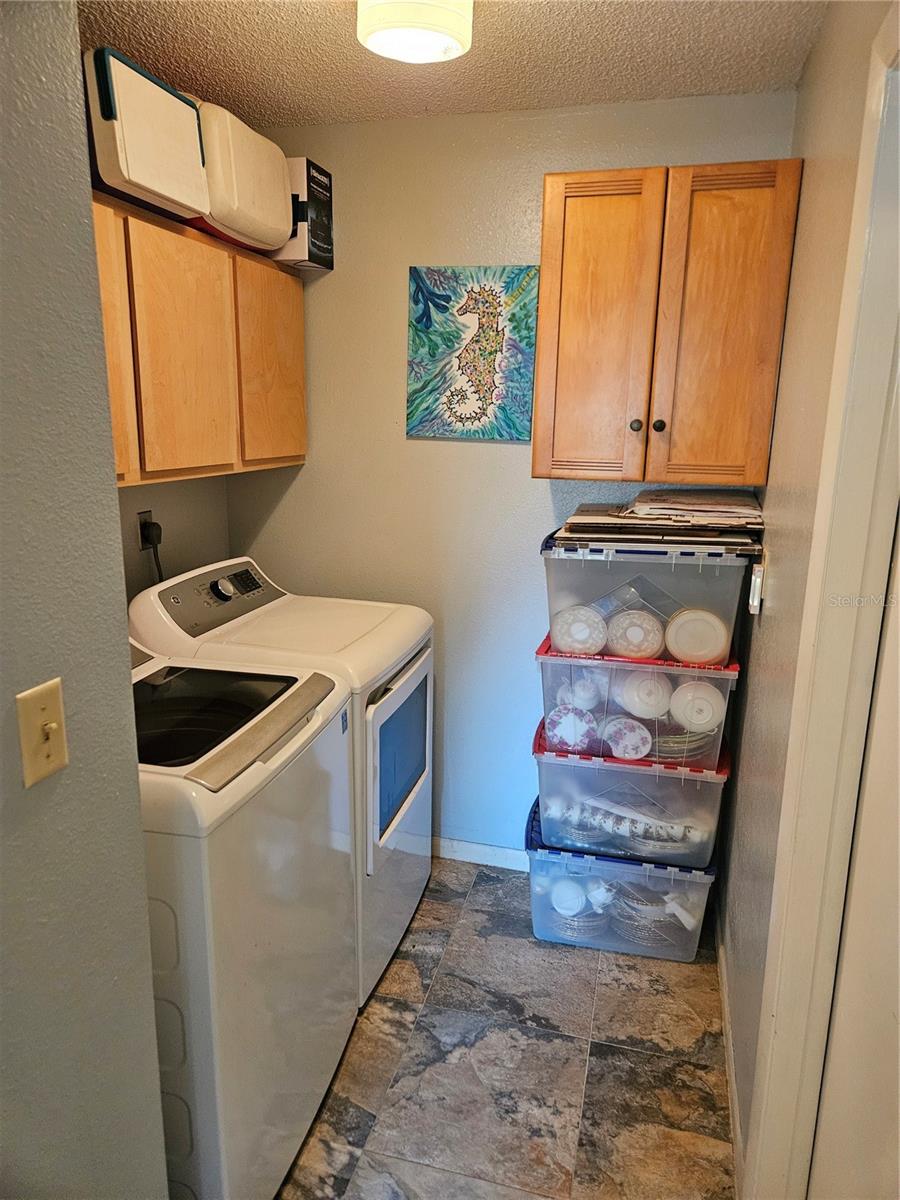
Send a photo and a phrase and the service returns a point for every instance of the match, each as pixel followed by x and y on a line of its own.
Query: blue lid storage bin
pixel 648 811
pixel 612 904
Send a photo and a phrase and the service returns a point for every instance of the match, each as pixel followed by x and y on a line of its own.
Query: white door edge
pixel 737 1137
pixel 850 554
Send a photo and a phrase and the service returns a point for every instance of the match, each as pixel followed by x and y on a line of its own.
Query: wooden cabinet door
pixel 723 290
pixel 602 232
pixel 182 295
pixel 115 307
pixel 270 362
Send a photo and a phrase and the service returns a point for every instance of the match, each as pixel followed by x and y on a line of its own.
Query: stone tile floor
pixel 490 1066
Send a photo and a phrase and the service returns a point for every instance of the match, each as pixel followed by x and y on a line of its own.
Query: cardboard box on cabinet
pixel 311 244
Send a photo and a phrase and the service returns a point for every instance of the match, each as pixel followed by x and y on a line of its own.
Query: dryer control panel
pixel 210 599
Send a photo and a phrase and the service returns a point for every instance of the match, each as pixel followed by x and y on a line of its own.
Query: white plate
pixel 695 635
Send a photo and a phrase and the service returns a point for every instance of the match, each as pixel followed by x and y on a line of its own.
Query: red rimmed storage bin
pixel 653 710
pixel 645 811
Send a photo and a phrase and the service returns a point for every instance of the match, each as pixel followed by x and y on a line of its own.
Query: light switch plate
pixel 42 731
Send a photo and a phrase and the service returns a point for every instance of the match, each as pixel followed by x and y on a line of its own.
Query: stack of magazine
pixel 660 514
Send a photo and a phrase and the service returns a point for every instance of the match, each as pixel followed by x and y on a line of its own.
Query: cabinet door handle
pixel 659 426
pixel 637 425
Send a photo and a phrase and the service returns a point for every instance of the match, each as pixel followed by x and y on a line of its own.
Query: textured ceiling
pixel 297 62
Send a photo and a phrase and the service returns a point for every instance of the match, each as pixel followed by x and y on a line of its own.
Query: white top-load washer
pixel 231 611
pixel 245 776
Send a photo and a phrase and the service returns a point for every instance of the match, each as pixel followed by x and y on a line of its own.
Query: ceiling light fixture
pixel 415 31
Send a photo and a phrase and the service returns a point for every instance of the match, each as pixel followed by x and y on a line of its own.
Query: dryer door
pixel 398 755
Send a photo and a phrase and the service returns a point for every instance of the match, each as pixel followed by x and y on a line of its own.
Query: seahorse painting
pixel 464 382
pixel 479 359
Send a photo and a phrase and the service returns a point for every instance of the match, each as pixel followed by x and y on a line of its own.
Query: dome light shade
pixel 415 31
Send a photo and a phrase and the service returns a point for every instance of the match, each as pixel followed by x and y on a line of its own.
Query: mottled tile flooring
pixel 488 1065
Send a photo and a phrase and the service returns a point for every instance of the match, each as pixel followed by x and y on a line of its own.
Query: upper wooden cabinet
pixel 270 362
pixel 727 249
pixel 717 305
pixel 112 272
pixel 600 252
pixel 204 347
pixel 183 303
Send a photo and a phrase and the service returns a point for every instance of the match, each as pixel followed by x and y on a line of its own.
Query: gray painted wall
pixel 455 527
pixel 194 517
pixel 80 1091
pixel 828 124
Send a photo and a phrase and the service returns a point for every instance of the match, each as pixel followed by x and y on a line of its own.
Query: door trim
pixel 851 545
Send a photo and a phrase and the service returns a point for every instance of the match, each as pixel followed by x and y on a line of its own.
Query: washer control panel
pixel 209 599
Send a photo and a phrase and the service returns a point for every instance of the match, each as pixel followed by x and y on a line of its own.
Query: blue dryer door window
pixel 402 751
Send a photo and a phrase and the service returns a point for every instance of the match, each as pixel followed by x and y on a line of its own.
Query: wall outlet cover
pixel 143 519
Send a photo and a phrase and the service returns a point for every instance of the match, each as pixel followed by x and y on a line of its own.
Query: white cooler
pixel 249 187
pixel 146 135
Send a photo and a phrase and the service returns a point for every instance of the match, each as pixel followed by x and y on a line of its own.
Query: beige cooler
pixel 249 185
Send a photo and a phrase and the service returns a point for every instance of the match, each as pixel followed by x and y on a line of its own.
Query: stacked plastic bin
pixel 637 674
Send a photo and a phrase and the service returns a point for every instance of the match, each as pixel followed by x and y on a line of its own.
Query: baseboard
pixel 737 1141
pixel 476 852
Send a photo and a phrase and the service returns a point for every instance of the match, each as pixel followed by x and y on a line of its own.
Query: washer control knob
pixel 222 589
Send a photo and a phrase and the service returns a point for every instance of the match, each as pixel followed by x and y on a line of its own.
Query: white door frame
pixel 850 554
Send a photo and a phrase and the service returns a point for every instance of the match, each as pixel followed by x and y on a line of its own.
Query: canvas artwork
pixel 470 367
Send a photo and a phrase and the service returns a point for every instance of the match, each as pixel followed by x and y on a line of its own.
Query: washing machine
pixel 246 782
pixel 232 611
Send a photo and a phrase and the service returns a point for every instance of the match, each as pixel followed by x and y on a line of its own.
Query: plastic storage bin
pixel 664 814
pixel 656 711
pixel 614 904
pixel 651 602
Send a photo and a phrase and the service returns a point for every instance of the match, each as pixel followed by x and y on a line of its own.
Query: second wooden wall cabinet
pixel 204 349
pixel 660 319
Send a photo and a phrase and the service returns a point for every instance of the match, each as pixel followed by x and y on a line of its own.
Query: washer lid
pixel 183 713
pixel 359 639
pixel 140 656
pixel 191 797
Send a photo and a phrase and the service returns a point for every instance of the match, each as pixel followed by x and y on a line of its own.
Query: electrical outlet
pixel 143 518
pixel 42 731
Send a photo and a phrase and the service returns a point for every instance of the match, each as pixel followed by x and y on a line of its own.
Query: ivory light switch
pixel 42 731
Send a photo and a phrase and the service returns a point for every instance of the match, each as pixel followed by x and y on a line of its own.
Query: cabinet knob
pixel 637 425
pixel 659 426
